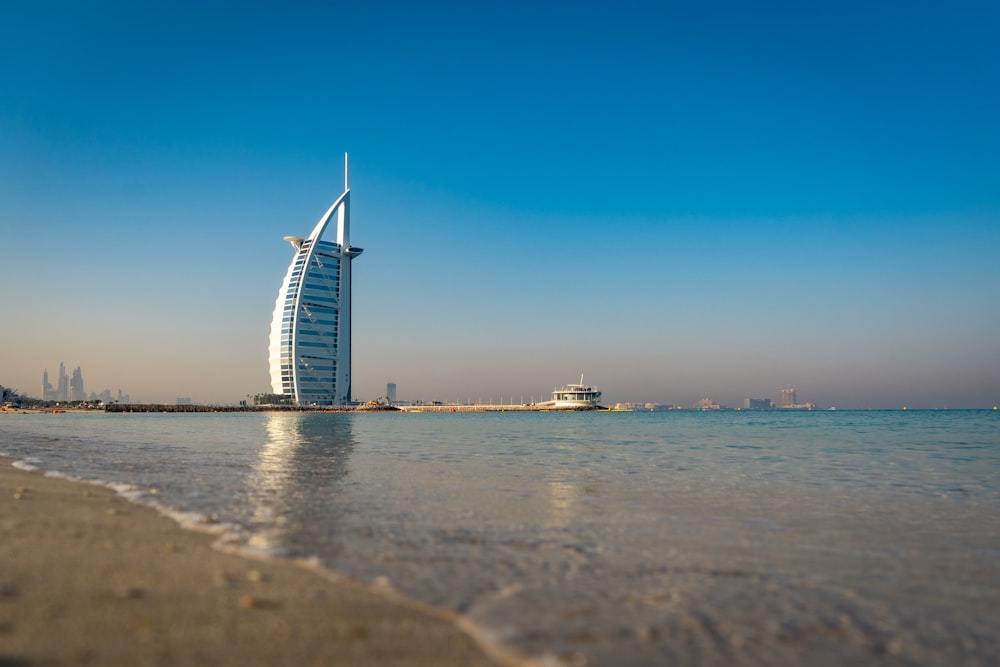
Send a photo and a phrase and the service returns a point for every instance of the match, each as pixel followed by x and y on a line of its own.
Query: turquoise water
pixel 605 538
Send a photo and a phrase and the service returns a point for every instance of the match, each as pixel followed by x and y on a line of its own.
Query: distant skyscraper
pixel 788 397
pixel 76 392
pixel 310 344
pixel 390 392
pixel 62 392
pixel 48 394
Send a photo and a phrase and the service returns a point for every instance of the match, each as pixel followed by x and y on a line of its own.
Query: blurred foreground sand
pixel 87 577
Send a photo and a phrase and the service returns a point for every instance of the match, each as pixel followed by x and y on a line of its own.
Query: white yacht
pixel 575 397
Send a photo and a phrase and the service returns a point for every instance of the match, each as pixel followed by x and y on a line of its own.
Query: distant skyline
pixel 712 199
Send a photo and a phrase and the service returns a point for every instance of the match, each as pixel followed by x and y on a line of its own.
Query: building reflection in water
pixel 563 497
pixel 294 486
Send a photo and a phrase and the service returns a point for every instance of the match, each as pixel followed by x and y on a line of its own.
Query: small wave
pixel 202 523
pixel 29 464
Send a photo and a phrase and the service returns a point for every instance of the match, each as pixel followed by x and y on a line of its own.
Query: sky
pixel 700 199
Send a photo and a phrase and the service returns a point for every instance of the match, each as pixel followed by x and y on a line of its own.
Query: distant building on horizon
pixel 390 392
pixel 788 397
pixel 707 404
pixel 76 392
pixel 66 389
pixel 71 389
pixel 62 391
pixel 637 405
pixel 309 350
pixel 790 400
pixel 106 397
pixel 758 404
pixel 47 393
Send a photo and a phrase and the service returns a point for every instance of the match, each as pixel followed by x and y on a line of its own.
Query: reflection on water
pixel 297 476
pixel 563 497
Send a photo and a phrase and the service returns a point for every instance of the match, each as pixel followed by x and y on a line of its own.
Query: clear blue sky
pixel 700 199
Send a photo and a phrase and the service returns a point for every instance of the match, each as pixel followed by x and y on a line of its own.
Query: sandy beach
pixel 89 578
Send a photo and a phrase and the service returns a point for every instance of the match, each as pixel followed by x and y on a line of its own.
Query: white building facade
pixel 310 343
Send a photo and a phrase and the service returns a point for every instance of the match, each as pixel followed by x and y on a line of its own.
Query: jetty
pixel 494 407
pixel 430 407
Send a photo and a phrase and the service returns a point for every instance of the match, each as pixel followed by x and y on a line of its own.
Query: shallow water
pixel 606 538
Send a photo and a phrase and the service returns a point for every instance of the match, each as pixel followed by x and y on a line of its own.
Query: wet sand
pixel 89 578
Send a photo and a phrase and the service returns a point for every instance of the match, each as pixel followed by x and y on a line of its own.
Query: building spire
pixel 346 187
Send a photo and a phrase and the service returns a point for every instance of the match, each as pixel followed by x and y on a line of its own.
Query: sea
pixel 601 538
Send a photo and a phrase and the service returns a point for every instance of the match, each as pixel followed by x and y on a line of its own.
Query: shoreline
pixel 89 577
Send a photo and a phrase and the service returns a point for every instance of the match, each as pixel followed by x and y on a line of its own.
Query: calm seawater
pixel 605 538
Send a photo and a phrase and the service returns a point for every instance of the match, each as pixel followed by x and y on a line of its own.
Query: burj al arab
pixel 310 342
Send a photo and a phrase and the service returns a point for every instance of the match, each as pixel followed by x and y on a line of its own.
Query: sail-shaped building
pixel 310 343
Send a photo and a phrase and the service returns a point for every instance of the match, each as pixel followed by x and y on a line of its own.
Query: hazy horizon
pixel 705 200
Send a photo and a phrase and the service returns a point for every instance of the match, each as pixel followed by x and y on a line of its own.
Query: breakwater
pixel 491 407
pixel 166 407
pixel 474 407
